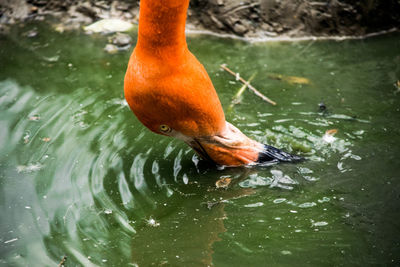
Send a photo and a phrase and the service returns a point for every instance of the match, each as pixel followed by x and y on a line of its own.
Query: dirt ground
pixel 245 18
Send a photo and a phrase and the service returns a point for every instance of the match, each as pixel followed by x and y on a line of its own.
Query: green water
pixel 81 177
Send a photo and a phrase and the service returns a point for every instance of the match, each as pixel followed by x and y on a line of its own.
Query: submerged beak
pixel 232 148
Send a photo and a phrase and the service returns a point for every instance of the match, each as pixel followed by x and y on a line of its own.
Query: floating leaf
pixel 329 135
pixel 289 79
pixel 223 182
pixel 331 131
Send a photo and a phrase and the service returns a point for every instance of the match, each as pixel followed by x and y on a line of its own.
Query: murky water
pixel 81 177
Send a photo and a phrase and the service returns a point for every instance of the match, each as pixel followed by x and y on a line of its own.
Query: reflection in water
pixel 81 177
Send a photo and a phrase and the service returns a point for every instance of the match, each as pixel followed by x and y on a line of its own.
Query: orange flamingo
pixel 170 92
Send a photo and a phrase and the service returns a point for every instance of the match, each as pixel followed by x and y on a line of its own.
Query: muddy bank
pixel 249 18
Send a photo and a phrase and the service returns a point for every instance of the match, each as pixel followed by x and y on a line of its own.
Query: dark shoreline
pixel 253 19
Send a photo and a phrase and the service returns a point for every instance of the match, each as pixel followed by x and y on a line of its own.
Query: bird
pixel 171 94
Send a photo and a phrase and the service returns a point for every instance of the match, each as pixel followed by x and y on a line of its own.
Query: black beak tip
pixel 272 154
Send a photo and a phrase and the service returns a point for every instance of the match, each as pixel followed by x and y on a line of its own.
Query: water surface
pixel 80 176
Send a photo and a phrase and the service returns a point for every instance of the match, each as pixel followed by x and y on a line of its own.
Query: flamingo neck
pixel 162 28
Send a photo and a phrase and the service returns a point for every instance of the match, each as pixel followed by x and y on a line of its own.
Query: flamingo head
pixel 181 102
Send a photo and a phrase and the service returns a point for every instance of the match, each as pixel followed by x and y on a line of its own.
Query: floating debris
pixel 10 241
pixel 307 205
pixel 289 79
pixel 238 96
pixel 153 223
pixel 62 262
pixel 108 211
pixel 26 138
pixel 31 33
pixel 329 135
pixel 46 139
pixel 223 182
pixel 317 224
pixel 322 107
pixel 255 91
pixel 59 28
pixel 52 59
pixel 34 118
pixel 253 205
pixel 109 25
pixel 397 86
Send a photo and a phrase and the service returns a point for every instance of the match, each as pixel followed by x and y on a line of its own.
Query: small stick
pixel 62 262
pixel 255 91
pixel 236 97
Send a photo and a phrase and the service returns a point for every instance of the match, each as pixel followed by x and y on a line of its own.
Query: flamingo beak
pixel 232 148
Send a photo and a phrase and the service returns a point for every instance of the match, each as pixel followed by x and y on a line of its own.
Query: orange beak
pixel 232 148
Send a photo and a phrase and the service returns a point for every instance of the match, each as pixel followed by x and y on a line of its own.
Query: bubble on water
pixel 108 211
pixel 286 252
pixel 153 223
pixel 317 224
pixel 185 179
pixel 360 132
pixel 52 59
pixel 307 205
pixel 257 204
pixel 279 200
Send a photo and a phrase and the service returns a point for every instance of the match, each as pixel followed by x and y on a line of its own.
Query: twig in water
pixel 62 262
pixel 258 93
pixel 236 97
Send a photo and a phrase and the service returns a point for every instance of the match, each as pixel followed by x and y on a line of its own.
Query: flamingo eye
pixel 165 128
